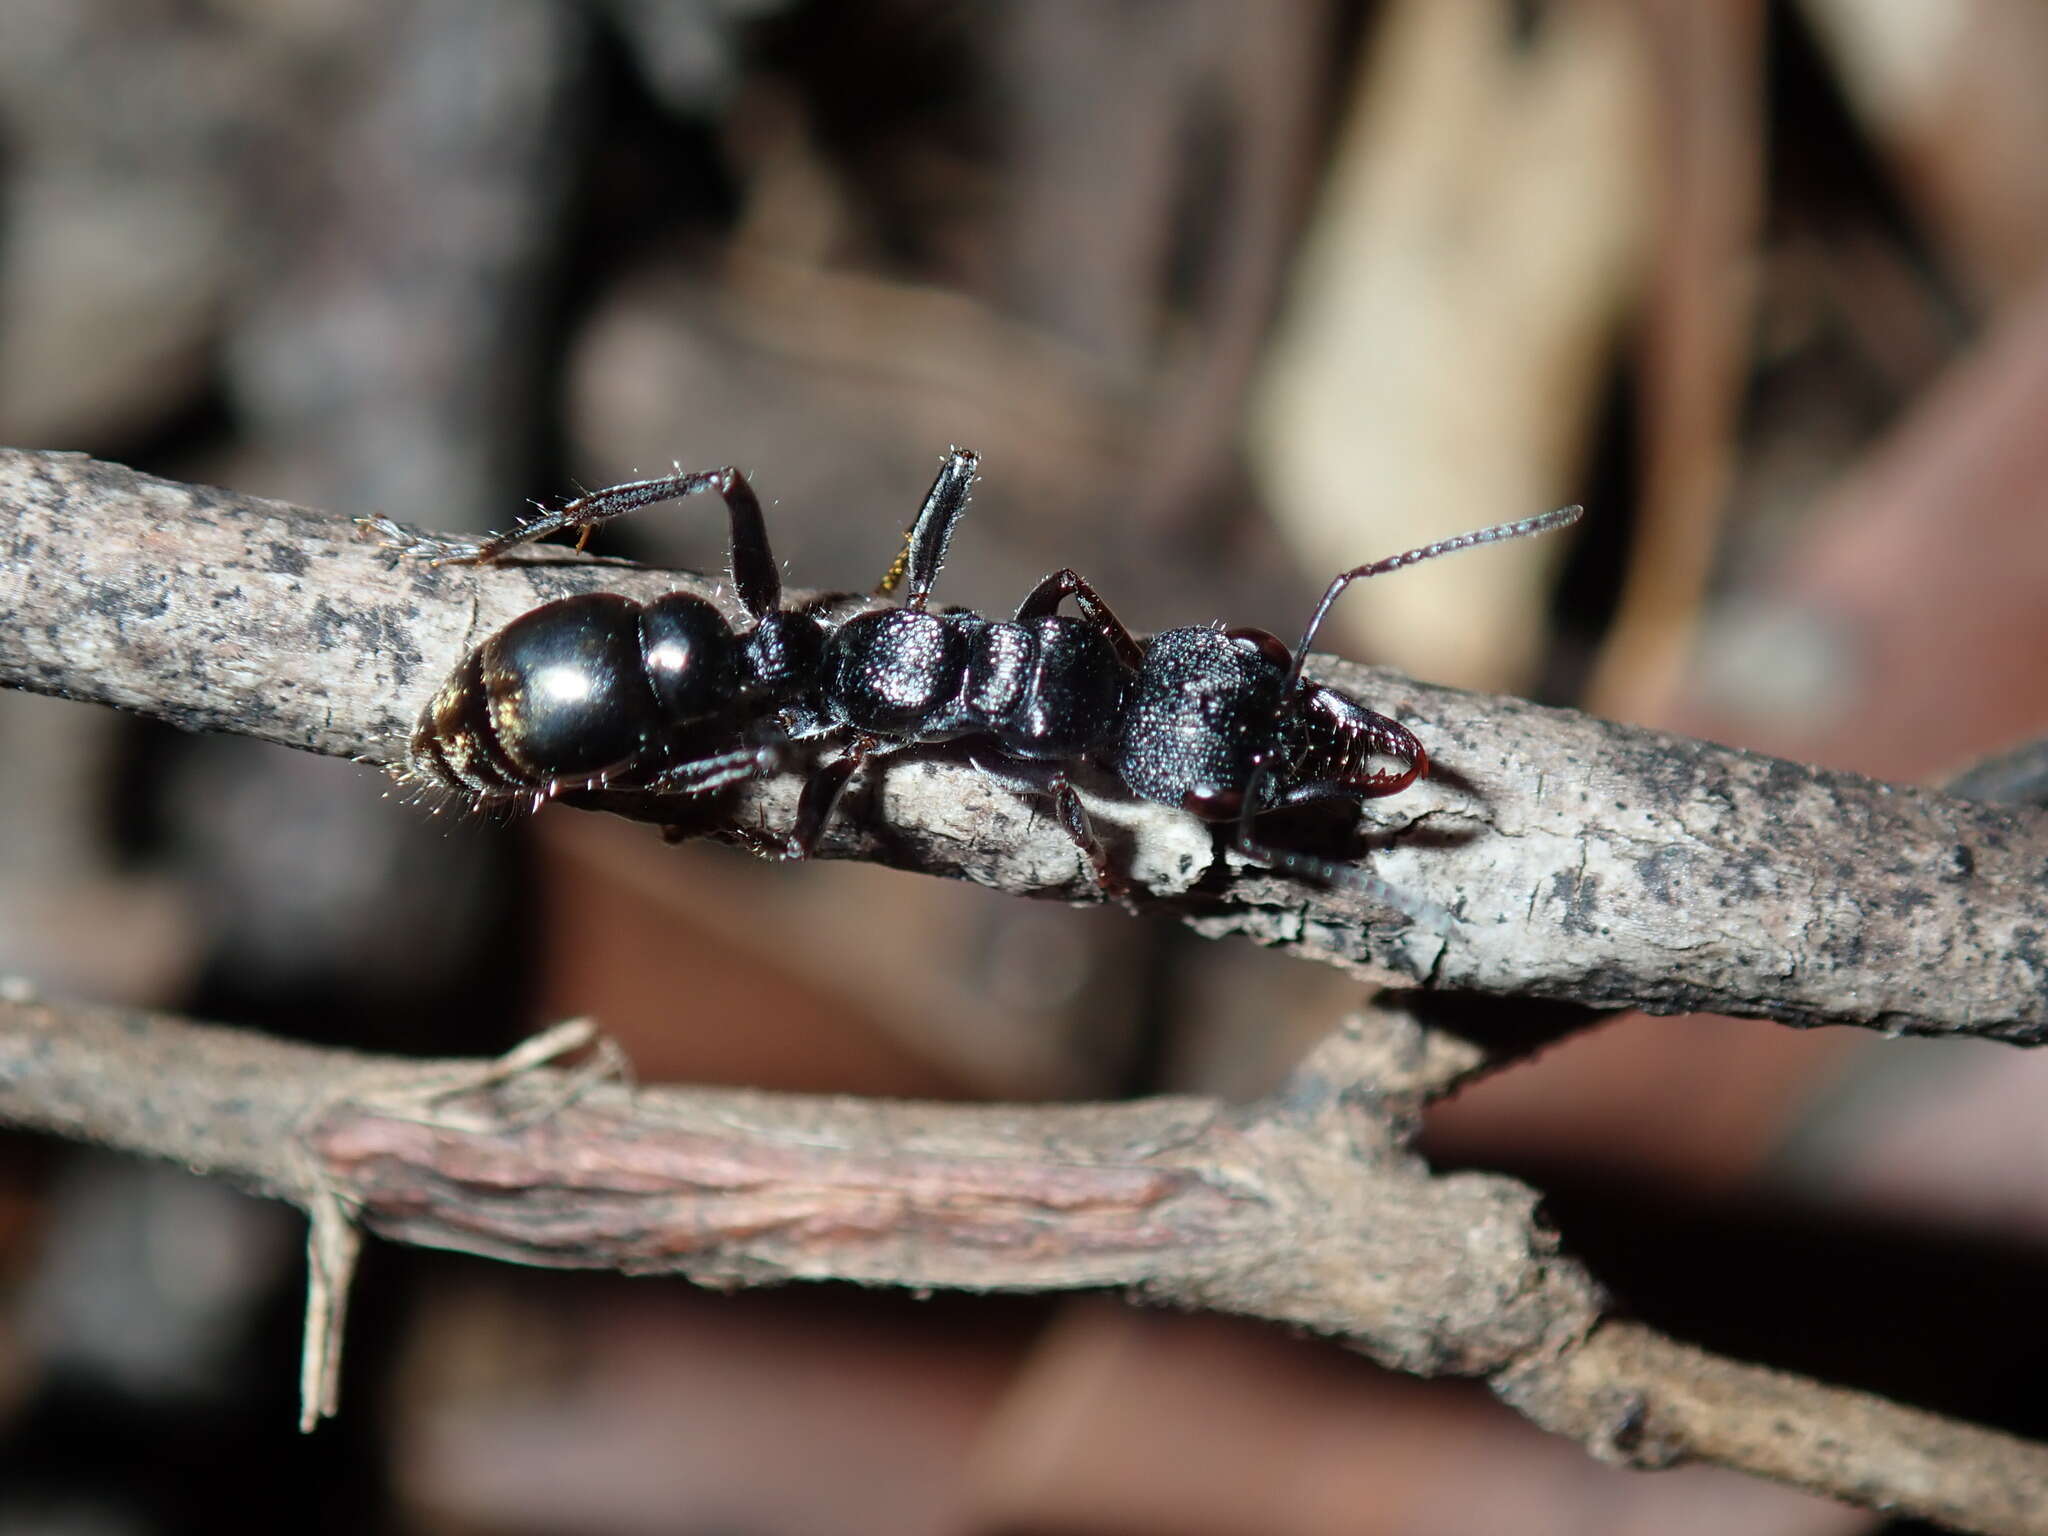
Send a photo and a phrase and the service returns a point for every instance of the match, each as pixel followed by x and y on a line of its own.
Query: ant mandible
pixel 668 697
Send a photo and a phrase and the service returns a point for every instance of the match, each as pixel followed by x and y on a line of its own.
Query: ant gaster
pixel 667 697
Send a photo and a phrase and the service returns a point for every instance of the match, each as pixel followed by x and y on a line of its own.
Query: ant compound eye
pixel 1260 643
pixel 1214 804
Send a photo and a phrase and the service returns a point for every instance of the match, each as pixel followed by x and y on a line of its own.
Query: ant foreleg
pixel 755 575
pixel 1043 600
pixel 1343 877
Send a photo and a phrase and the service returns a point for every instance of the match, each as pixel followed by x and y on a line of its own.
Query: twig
pixel 1588 862
pixel 1638 1399
pixel 1307 1208
pixel 2017 776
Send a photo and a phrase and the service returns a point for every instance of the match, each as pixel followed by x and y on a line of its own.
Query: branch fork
pixel 1590 866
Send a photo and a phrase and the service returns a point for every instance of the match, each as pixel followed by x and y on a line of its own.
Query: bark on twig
pixel 1586 861
pixel 1307 1208
pixel 1638 1399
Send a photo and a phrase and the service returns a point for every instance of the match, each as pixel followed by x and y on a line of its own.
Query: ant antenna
pixel 1563 517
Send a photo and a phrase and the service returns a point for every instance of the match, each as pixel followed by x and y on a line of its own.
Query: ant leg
pixel 1045 598
pixel 821 796
pixel 1344 877
pixel 755 574
pixel 1028 777
pixel 705 774
pixel 1073 816
pixel 924 545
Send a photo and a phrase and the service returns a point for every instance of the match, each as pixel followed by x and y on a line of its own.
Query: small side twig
pixel 333 1240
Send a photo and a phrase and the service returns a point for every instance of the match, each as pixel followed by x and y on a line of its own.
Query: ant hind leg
pixel 1028 777
pixel 719 770
pixel 756 577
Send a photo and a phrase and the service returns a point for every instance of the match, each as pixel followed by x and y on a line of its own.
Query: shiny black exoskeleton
pixel 599 691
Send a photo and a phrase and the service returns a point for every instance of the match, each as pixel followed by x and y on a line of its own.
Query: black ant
pixel 667 697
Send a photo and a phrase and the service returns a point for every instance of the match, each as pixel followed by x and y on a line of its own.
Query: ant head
pixel 1200 716
pixel 1324 741
pixel 1218 724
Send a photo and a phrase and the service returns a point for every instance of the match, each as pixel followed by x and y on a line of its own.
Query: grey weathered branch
pixel 1587 861
pixel 1308 1208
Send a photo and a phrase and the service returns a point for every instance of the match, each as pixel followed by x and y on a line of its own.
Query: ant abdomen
pixel 559 696
pixel 692 658
pixel 582 691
